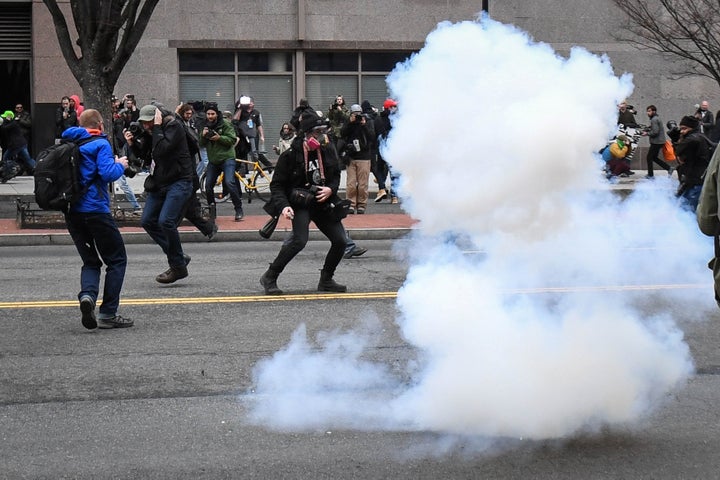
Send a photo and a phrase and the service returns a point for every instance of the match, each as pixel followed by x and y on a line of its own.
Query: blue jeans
pixel 690 198
pixel 162 214
pixel 93 234
pixel 129 194
pixel 230 183
pixel 19 153
pixel 202 164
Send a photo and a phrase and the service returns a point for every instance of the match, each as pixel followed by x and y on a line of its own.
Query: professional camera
pixel 136 129
pixel 673 130
pixel 134 167
pixel 210 133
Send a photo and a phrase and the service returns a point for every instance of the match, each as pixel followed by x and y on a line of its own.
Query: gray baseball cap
pixel 147 113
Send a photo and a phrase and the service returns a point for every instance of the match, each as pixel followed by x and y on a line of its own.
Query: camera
pixel 136 129
pixel 210 133
pixel 134 167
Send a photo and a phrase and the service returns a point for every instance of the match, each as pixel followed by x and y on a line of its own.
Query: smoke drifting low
pixel 495 142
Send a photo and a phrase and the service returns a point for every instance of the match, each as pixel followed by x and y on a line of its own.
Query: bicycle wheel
pixel 217 191
pixel 260 184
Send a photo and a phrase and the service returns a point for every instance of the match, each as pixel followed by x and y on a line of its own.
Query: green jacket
pixel 707 214
pixel 223 148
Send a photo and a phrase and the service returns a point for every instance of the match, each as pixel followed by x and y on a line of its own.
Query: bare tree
pixel 106 32
pixel 688 29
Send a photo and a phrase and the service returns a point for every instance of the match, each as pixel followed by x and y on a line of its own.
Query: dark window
pixel 331 62
pixel 207 61
pixel 264 62
pixel 382 61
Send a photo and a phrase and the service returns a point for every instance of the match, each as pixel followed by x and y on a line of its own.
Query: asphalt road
pixel 169 398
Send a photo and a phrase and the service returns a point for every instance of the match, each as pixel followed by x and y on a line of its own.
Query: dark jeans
pixel 93 234
pixel 20 153
pixel 332 229
pixel 652 156
pixel 163 212
pixel 230 183
pixel 381 171
pixel 193 212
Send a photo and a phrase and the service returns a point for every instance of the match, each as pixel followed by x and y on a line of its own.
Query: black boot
pixel 269 282
pixel 327 284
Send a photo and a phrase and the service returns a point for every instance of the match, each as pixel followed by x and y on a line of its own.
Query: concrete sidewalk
pixel 387 223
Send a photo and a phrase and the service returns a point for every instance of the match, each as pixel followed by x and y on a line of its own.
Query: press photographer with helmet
pixel 304 188
pixel 162 145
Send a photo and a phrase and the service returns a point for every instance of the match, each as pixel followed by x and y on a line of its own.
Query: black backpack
pixel 57 175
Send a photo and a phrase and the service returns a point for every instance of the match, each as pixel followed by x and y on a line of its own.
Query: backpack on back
pixel 57 175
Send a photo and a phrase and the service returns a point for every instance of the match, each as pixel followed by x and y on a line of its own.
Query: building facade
pixel 280 51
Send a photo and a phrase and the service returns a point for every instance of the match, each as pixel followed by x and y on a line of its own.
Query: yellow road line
pixel 341 296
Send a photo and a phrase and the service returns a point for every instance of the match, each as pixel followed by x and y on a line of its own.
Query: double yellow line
pixel 343 296
pixel 201 300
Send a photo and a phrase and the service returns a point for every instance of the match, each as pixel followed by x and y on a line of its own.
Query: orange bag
pixel 668 151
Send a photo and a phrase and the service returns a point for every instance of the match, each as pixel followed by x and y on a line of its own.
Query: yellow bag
pixel 668 151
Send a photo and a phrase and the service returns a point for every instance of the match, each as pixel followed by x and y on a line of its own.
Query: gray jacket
pixel 656 134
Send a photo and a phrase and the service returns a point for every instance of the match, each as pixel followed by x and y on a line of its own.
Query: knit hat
pixel 214 108
pixel 147 113
pixel 309 121
pixel 8 114
pixel 688 121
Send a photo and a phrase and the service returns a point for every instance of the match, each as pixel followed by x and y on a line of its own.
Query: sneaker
pixel 172 275
pixel 239 215
pixel 115 322
pixel 87 309
pixel 394 200
pixel 137 212
pixel 360 211
pixel 381 195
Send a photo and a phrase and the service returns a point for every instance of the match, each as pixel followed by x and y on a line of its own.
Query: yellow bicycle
pixel 256 182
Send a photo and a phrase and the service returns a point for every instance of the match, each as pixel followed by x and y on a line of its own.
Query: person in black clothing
pixel 693 152
pixel 65 117
pixel 14 146
pixel 310 165
pixel 169 186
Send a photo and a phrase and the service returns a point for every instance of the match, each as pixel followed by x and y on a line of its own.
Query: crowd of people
pixel 172 149
pixel 685 148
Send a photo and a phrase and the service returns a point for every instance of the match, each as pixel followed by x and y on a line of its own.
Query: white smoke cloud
pixel 495 142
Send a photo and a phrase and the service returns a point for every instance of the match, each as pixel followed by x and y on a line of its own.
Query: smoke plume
pixel 525 305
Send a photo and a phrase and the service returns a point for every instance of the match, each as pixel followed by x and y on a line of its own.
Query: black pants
pixel 332 229
pixel 652 156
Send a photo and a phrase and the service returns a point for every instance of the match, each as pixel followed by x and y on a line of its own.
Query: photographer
pixel 357 137
pixel 163 145
pixel 308 170
pixel 656 135
pixel 218 137
pixel 65 117
pixel 693 153
pixel 92 227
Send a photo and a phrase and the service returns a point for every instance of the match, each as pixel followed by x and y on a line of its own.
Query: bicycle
pixel 258 184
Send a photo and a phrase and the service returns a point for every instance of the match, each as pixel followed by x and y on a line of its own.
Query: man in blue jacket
pixel 92 227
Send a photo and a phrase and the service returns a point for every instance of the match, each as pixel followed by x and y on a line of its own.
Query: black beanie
pixel 213 107
pixel 689 121
pixel 309 121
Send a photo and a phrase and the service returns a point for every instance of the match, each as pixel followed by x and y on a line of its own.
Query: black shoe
pixel 360 211
pixel 327 284
pixel 239 215
pixel 115 322
pixel 269 283
pixel 87 309
pixel 212 232
pixel 355 252
pixel 172 274
pixel 187 259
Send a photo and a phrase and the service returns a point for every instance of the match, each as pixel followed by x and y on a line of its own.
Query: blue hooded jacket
pixel 97 169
